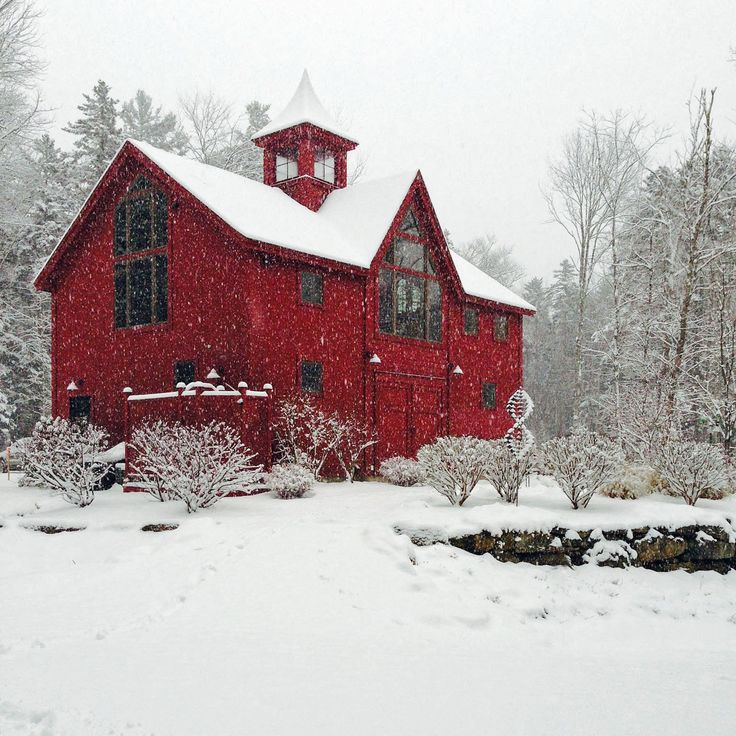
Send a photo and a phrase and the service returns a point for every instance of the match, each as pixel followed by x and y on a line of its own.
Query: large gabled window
pixel 409 293
pixel 141 260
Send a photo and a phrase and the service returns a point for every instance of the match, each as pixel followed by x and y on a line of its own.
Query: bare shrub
pixel 692 469
pixel 198 465
pixel 289 481
pixel 402 471
pixel 307 436
pixel 581 464
pixel 150 442
pixel 505 470
pixel 60 455
pixel 453 466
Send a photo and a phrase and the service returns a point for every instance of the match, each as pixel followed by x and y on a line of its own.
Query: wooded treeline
pixel 43 186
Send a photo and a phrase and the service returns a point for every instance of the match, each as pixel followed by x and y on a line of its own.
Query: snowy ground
pixel 312 616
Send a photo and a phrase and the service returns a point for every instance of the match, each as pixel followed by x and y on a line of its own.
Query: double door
pixel 410 412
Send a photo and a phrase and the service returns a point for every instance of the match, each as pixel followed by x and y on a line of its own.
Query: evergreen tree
pixel 144 122
pixel 98 136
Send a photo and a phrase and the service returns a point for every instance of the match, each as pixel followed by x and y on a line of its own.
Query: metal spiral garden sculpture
pixel 518 438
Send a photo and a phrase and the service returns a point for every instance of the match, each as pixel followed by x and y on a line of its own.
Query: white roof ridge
pixel 303 107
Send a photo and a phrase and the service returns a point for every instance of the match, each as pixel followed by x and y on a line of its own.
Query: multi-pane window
pixel 184 372
pixel 311 377
pixel 141 262
pixel 80 408
pixel 311 287
pixel 286 167
pixel 488 395
pixel 501 327
pixel 471 321
pixel 324 165
pixel 409 294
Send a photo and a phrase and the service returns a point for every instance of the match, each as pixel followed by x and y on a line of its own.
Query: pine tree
pixel 144 122
pixel 98 136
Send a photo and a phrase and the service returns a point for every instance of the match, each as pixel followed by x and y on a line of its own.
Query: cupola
pixel 304 149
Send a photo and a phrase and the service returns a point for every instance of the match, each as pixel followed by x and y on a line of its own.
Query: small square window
pixel 286 165
pixel 311 377
pixel 489 395
pixel 80 408
pixel 471 321
pixel 311 287
pixel 184 372
pixel 501 327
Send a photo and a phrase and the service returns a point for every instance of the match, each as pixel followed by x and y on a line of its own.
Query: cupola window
pixel 324 165
pixel 286 167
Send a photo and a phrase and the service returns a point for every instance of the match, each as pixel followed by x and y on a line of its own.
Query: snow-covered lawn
pixel 312 616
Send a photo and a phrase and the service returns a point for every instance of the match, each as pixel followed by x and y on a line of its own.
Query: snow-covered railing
pixel 247 411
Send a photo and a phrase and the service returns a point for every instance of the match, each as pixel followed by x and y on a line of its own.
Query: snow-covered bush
pixel 290 481
pixel 453 466
pixel 350 438
pixel 60 456
pixel 151 443
pixel 692 469
pixel 303 434
pixel 581 463
pixel 307 436
pixel 633 481
pixel 198 465
pixel 505 470
pixel 401 471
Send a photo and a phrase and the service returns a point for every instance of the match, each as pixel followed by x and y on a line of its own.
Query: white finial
pixel 72 387
pixel 457 370
pixel 213 374
pixel 375 359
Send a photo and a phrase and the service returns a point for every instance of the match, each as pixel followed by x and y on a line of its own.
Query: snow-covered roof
pixel 349 227
pixel 304 107
pixel 478 283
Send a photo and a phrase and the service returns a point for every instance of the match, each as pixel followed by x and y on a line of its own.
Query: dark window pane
pixel 80 408
pixel 120 237
pixel 471 321
pixel 162 289
pixel 311 287
pixel 410 312
pixel 140 291
pixel 161 220
pixel 410 224
pixel 409 254
pixel 489 395
pixel 434 311
pixel 139 224
pixel 311 377
pixel 121 295
pixel 184 372
pixel 140 183
pixel 386 301
pixel 501 327
pixel 430 264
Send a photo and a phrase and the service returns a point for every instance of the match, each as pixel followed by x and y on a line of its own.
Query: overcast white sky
pixel 476 94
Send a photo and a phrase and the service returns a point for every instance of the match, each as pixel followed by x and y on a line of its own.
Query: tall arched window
pixel 141 262
pixel 409 293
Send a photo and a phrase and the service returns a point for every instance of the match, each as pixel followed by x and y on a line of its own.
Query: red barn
pixel 349 293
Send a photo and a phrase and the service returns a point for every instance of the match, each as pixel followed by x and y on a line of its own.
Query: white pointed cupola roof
pixel 304 107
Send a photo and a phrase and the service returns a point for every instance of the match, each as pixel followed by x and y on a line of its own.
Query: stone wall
pixel 688 548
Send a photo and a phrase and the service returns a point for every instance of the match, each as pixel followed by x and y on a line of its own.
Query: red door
pixel 409 414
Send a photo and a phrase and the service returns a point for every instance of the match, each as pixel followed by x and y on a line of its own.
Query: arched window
pixel 141 261
pixel 409 293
